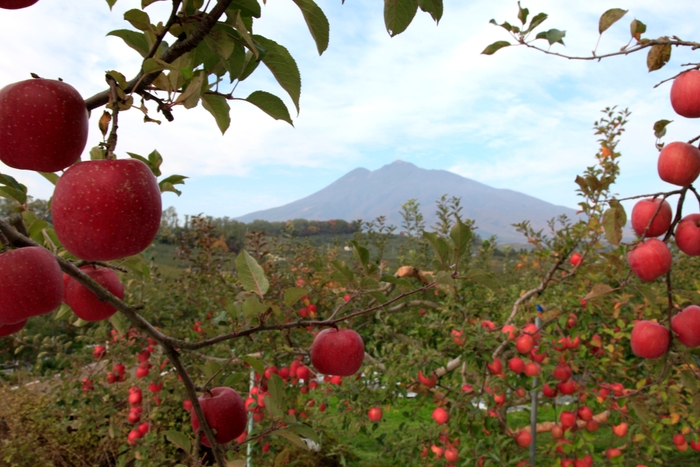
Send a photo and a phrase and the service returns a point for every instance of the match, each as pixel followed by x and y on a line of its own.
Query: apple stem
pixel 114 102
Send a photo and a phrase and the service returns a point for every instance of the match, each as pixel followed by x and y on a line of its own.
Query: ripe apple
pixel 375 414
pixel 427 381
pixel 495 367
pixel 585 413
pixel 516 365
pixel 85 303
pixel 557 432
pixel 43 123
pixel 523 439
pixel 621 429
pixel 225 413
pixel 650 260
pixel 31 284
pixel 532 369
pixel 575 259
pixel 451 454
pixel 135 396
pixel 649 339
pixel 337 352
pixel 685 94
pixel 567 419
pixel 645 210
pixel 687 325
pixel 134 436
pixel 524 343
pixel 106 209
pixel 8 329
pixel 548 391
pixel 302 372
pixel 679 163
pixel 688 235
pixel 440 415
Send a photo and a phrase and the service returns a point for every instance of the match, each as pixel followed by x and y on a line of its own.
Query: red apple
pixel 650 259
pixel 585 413
pixel 679 163
pixel 225 413
pixel 523 439
pixel 106 209
pixel 440 415
pixel 649 339
pixel 375 414
pixel 567 419
pixel 516 365
pixel 495 367
pixel 687 325
pixel 134 436
pixel 85 303
pixel 557 432
pixel 31 284
pixel 427 381
pixel 575 259
pixel 451 454
pixel 621 429
pixel 43 123
pixel 548 391
pixel 337 352
pixel 532 369
pixel 688 235
pixel 645 210
pixel 524 343
pixel 685 94
pixel 7 329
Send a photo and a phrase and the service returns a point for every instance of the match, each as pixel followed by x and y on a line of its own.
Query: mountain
pixel 364 194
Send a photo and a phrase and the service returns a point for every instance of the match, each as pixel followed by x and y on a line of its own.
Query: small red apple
pixel 688 235
pixel 375 414
pixel 532 369
pixel 523 439
pixel 31 284
pixel 440 416
pixel 451 454
pixel 575 259
pixel 649 339
pixel 134 436
pixel 679 163
pixel 225 413
pixel 567 419
pixel 650 260
pixel 85 303
pixel 516 365
pixel 585 413
pixel 495 367
pixel 687 325
pixel 337 352
pixel 645 210
pixel 427 381
pixel 621 429
pixel 43 123
pixel 685 94
pixel 524 343
pixel 106 209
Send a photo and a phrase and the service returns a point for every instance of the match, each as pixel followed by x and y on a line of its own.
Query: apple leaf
pixel 485 278
pixel 660 128
pixel 293 294
pixel 251 274
pixel 306 431
pixel 461 235
pixel 658 56
pixel 368 283
pixel 247 7
pixel 689 380
pixel 641 410
pixel 275 387
pixel 398 14
pixel 135 40
pixel 598 290
pixel 637 28
pixel 138 19
pixel 145 3
pixel 283 67
pixel 50 176
pixel 342 268
pixel 271 105
pixel 536 21
pixel 179 439
pixel 440 246
pixel 219 108
pixel 12 189
pixel 220 41
pixel 552 36
pixel 396 281
pixel 614 219
pixel 63 311
pixel 168 184
pixel 111 3
pixel 317 22
pixel 609 18
pixel 379 297
pixel 255 364
pixel 493 48
pixel 647 292
pixel 522 14
pixel 445 278
pixel 434 7
pixel 293 437
pixel 253 307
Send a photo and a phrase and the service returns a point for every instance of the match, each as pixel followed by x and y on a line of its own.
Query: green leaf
pixel 249 65
pixel 689 381
pixel 145 3
pixel 50 176
pixel 135 40
pixel 536 21
pixel 11 193
pixel 252 307
pixel 293 437
pixel 306 431
pixel 220 42
pixel 369 283
pixel 485 278
pixel 275 386
pixel 167 184
pixel 210 368
pixel 641 410
pixel 522 14
pixel 189 98
pixel 609 18
pixel 660 128
pixel 614 219
pixel 317 22
pixel 282 66
pixel 647 292
pixel 461 235
pixel 219 108
pixel 256 364
pixel 179 439
pixel 341 267
pixel 398 14
pixel 13 189
pixel 552 36
pixel 271 105
pixel 138 19
pixel 63 311
pixel 637 28
pixel 493 48
pixel 598 290
pixel 360 253
pixel 111 3
pixel 440 246
pixel 120 323
pixel 251 274
pixel 445 278
pixel 379 297
pixel 434 7
pixel 293 294
pixel 247 7
pixel 658 56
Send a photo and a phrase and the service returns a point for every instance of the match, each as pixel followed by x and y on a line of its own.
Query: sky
pixel 518 119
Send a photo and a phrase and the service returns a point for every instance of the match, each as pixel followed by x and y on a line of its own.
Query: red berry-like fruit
pixel 645 210
pixel 686 325
pixel 106 209
pixel 685 94
pixel 31 284
pixel 679 163
pixel 337 352
pixel 650 260
pixel 649 339
pixel 85 303
pixel 43 124
pixel 225 413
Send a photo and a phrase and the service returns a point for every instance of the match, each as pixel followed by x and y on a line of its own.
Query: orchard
pixel 580 350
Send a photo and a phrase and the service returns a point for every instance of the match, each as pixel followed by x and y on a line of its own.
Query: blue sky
pixel 518 119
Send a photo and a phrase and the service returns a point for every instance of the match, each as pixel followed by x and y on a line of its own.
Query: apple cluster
pixel 678 164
